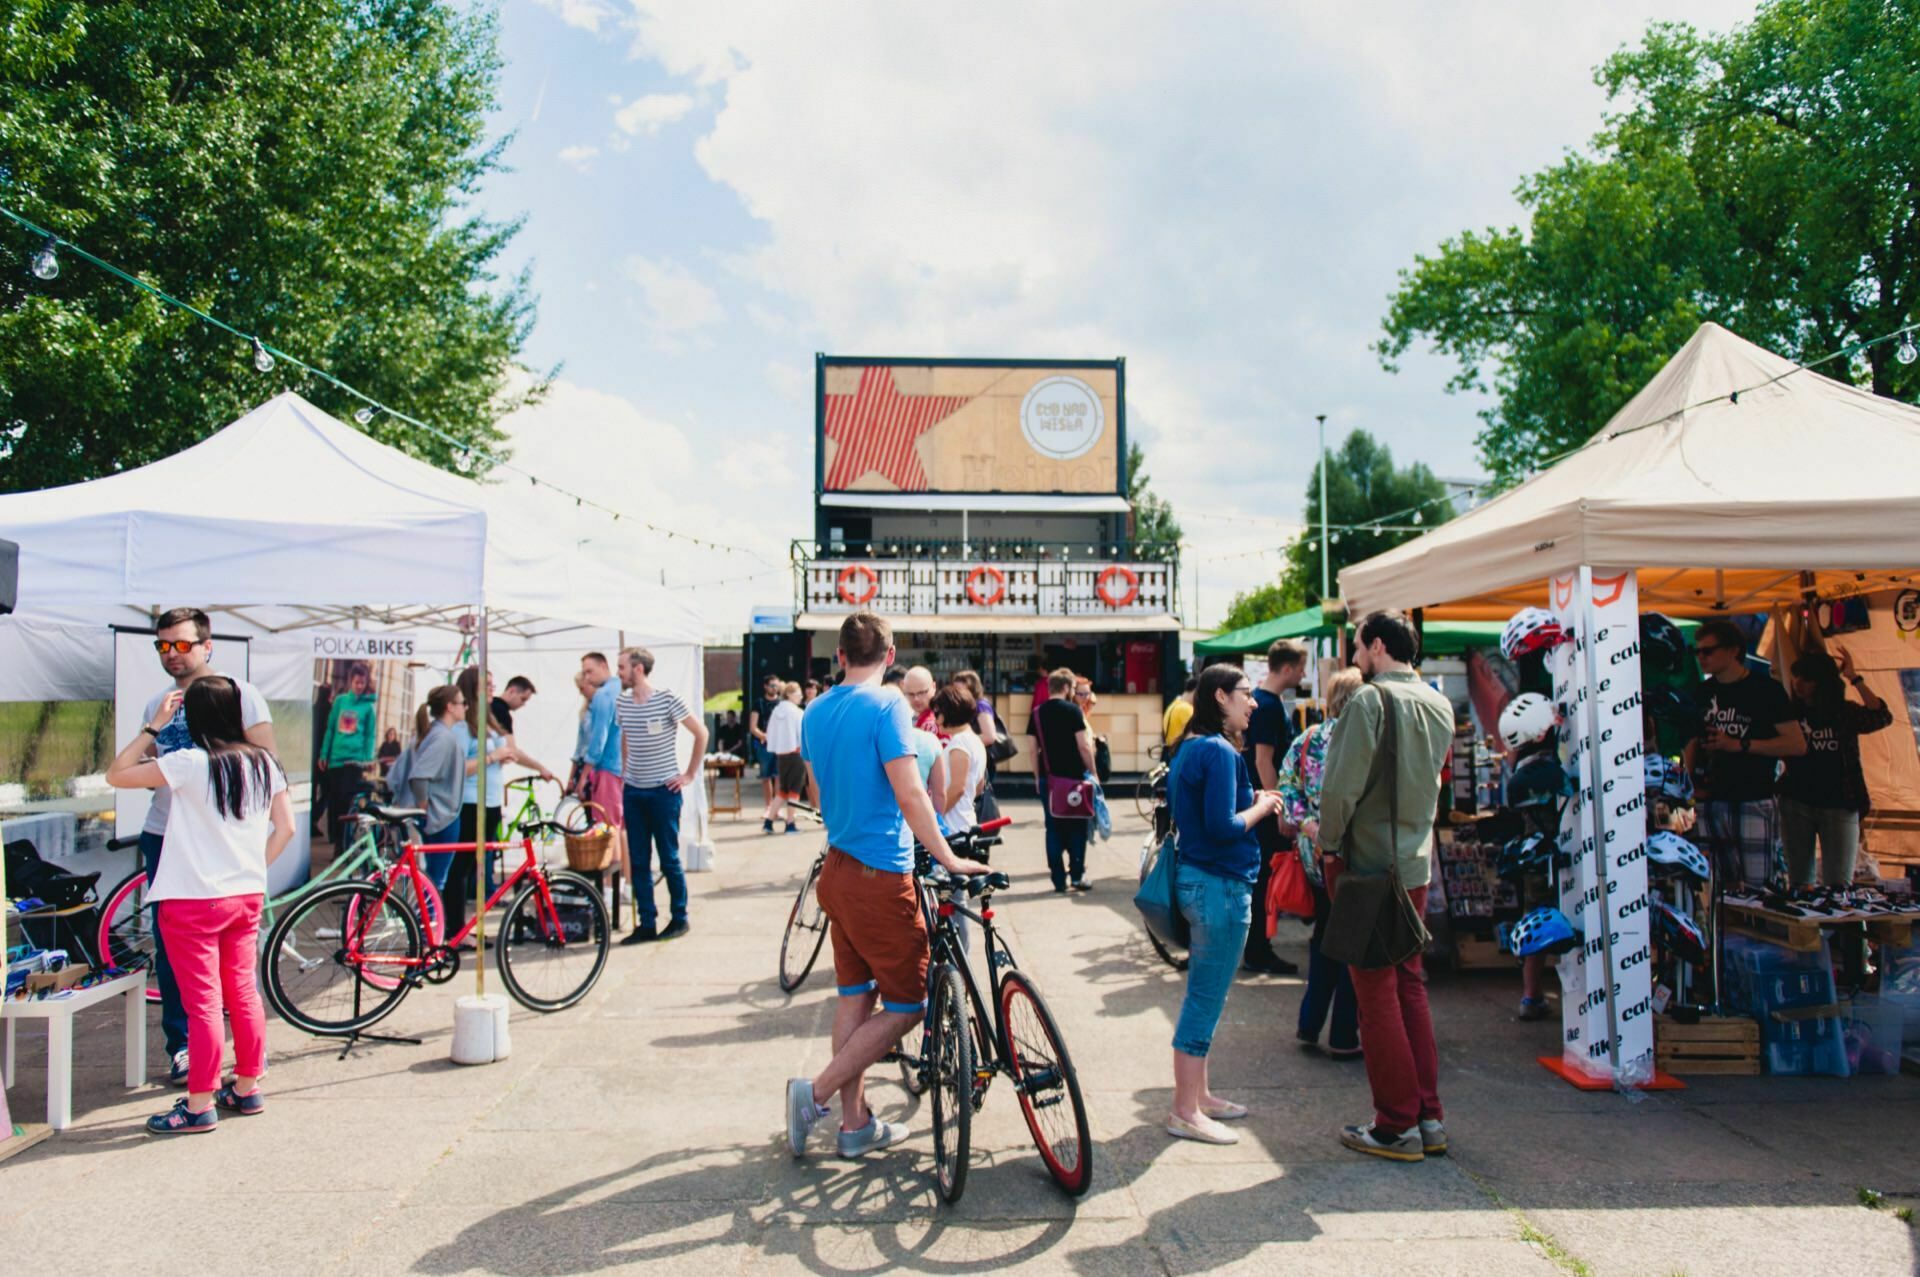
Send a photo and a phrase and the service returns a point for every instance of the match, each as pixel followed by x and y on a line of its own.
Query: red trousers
pixel 1396 1032
pixel 211 946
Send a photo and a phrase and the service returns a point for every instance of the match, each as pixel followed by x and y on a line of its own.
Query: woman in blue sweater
pixel 1214 812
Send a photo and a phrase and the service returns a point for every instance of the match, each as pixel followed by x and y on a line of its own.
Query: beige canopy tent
pixel 1728 477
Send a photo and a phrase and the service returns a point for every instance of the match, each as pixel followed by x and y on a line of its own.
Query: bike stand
pixel 357 1037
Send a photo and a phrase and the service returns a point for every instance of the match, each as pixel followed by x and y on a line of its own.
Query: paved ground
pixel 643 1128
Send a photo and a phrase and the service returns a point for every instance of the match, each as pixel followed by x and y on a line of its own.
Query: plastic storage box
pixel 1762 978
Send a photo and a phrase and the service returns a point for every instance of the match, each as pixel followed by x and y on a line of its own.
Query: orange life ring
pixel 1103 586
pixel 847 574
pixel 979 597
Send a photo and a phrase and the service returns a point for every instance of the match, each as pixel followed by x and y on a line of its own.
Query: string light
pixel 1906 352
pixel 363 415
pixel 262 357
pixel 45 263
pixel 462 460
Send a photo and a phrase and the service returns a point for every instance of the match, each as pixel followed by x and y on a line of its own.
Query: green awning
pixel 1308 622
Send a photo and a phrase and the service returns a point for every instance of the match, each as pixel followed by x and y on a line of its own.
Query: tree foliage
pixel 302 171
pixel 1766 179
pixel 1363 486
pixel 1251 607
pixel 1153 519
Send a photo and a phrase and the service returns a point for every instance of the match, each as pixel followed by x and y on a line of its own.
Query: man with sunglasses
pixel 184 639
pixel 1748 726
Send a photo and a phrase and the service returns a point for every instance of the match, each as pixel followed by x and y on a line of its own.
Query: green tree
pixel 1764 179
pixel 302 171
pixel 1363 487
pixel 1250 607
pixel 1153 519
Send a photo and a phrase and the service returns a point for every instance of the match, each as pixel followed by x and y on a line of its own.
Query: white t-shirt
pixel 209 856
pixel 961 814
pixel 253 710
pixel 783 729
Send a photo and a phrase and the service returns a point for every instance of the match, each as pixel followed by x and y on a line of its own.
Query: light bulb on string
pixel 1906 352
pixel 363 415
pixel 45 263
pixel 1335 538
pixel 1419 517
pixel 262 357
pixel 463 461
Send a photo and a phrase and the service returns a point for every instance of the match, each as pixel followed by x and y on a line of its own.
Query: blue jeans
pixel 173 1012
pixel 1066 848
pixel 1329 987
pixel 1218 910
pixel 438 864
pixel 653 824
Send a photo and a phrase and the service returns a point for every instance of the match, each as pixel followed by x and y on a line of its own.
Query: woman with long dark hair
pixel 230 819
pixel 1214 812
pixel 435 778
pixel 1823 792
pixel 501 750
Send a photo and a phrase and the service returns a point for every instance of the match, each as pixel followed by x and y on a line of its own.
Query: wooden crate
pixel 1471 953
pixel 1717 1044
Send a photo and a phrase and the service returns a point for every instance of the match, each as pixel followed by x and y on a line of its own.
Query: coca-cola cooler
pixel 1143 666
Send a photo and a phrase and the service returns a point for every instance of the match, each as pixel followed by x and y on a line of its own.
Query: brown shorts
pixel 879 937
pixel 793 774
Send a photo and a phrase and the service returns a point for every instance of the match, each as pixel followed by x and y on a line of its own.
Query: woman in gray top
pixel 438 773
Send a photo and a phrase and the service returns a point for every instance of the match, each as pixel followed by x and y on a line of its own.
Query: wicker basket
pixel 592 851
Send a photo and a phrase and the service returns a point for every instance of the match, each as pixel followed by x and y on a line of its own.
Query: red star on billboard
pixel 876 427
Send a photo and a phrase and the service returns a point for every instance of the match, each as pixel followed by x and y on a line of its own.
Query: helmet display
pixel 1678 934
pixel 1662 645
pixel 1532 629
pixel 1540 781
pixel 1671 705
pixel 1667 848
pixel 1668 780
pixel 1528 719
pixel 1527 854
pixel 1540 931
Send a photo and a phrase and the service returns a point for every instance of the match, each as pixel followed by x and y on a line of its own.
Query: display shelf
pixel 1804 934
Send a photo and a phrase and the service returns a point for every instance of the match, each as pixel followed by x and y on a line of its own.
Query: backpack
pixel 28 876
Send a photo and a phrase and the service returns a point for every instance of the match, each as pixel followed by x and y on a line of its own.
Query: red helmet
pixel 1532 629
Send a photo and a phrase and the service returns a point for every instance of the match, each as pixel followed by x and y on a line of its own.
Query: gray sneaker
pixel 1371 1140
pixel 802 1113
pixel 872 1137
pixel 1433 1137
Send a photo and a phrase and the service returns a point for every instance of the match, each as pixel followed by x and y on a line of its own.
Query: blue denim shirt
pixel 1210 789
pixel 603 728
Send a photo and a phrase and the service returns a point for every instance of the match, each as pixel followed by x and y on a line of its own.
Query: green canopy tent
pixel 1438 638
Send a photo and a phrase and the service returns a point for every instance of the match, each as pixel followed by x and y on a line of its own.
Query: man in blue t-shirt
pixel 857 742
pixel 1269 732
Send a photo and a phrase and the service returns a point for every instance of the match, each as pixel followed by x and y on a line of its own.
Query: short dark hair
pixel 1061 680
pixel 598 658
pixel 1193 681
pixel 521 683
pixel 865 638
pixel 180 616
pixel 895 674
pixel 1724 632
pixel 954 706
pixel 1285 652
pixel 1395 633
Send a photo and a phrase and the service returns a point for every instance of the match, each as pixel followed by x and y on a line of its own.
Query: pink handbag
pixel 1069 799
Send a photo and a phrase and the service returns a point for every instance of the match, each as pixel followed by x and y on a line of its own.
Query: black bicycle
pixel 961 1047
pixel 806 928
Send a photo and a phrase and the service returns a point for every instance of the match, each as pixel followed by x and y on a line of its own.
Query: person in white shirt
pixel 783 742
pixel 230 818
pixel 965 755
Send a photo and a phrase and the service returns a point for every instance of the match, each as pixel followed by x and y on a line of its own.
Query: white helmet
pixel 1527 720
pixel 1532 629
pixel 1668 848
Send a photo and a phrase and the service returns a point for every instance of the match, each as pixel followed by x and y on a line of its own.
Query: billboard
pixel 963 425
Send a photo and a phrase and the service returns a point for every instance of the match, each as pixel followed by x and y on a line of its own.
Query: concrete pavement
pixel 643 1128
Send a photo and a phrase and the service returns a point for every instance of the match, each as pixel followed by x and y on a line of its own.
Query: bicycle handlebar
pixel 121 844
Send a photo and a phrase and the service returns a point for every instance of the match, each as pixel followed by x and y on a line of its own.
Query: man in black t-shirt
pixel 1269 732
pixel 519 692
pixel 1066 753
pixel 1748 726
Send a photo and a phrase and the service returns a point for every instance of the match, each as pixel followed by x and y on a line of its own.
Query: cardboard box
pixel 65 978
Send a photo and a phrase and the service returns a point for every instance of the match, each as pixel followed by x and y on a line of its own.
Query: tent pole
pixel 480 824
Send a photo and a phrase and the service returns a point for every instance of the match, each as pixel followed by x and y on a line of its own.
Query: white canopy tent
pixel 1729 475
pixel 288 520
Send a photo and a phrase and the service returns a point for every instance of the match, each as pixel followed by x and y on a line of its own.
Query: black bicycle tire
pixel 1020 982
pixel 504 951
pixel 386 999
pixel 950 1056
pixel 793 924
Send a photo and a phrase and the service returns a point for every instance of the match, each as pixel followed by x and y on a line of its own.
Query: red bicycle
pixel 346 955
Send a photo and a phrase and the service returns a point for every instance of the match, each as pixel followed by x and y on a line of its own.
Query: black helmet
pixel 1540 781
pixel 1661 643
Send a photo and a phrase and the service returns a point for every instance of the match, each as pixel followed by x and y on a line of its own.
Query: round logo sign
pixel 1906 611
pixel 1062 418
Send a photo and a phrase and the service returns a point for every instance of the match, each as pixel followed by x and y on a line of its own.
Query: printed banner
pixel 361 645
pixel 1607 982
pixel 362 719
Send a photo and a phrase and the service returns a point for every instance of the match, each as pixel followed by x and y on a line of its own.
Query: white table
pixel 58 1013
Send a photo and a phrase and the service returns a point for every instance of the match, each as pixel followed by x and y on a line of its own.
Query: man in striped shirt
pixel 650 718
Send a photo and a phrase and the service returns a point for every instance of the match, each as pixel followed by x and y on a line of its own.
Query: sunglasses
pixel 1703 649
pixel 182 646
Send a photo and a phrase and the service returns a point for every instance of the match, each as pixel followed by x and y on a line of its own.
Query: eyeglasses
pixel 1702 649
pixel 181 646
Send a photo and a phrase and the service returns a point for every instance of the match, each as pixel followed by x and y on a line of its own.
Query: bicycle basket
pixel 592 851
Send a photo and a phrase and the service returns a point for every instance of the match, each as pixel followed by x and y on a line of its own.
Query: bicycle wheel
pixel 311 979
pixel 1048 1087
pixel 1177 961
pixel 806 932
pixel 127 933
pixel 950 1042
pixel 554 947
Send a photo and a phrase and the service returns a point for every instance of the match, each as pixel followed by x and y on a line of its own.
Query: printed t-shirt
pixel 350 729
pixel 849 735
pixel 650 729
pixel 253 710
pixel 209 856
pixel 1745 710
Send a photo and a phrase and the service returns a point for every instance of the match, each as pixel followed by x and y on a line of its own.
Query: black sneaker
pixel 641 935
pixel 766 826
pixel 675 929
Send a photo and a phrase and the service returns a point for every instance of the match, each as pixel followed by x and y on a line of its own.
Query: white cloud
pixel 588 15
pixel 579 157
pixel 676 301
pixel 651 113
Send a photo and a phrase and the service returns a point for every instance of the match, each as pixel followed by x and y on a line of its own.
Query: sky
pixel 1223 193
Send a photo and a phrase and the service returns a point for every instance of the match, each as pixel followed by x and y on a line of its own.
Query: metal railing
pixel 995 580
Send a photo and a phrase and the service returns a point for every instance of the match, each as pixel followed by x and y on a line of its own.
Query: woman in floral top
pixel 1328 986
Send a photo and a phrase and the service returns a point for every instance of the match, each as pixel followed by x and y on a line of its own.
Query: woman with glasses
pixel 1214 812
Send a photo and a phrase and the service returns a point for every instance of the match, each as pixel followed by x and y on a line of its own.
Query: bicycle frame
pixel 408 868
pixel 939 908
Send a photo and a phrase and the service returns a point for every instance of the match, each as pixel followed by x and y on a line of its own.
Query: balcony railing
pixel 990 549
pixel 1051 581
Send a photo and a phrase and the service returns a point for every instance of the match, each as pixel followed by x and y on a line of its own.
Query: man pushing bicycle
pixel 857 741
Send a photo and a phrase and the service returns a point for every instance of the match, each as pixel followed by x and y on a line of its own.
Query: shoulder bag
pixel 1372 923
pixel 1157 901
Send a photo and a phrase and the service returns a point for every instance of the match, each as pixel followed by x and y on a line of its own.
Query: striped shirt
pixel 649 733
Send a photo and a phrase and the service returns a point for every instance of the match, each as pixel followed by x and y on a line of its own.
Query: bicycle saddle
pixel 396 815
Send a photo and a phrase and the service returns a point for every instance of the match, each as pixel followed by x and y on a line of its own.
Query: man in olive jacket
pixel 1396 1026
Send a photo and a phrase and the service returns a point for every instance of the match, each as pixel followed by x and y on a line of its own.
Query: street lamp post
pixel 1325 570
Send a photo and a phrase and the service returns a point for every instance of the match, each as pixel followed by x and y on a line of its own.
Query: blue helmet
pixel 1539 781
pixel 1524 855
pixel 1678 934
pixel 1540 931
pixel 1668 848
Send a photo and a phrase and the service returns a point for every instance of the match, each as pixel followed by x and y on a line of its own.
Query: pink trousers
pixel 211 945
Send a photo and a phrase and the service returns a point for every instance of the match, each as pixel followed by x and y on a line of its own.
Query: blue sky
pixel 1223 193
